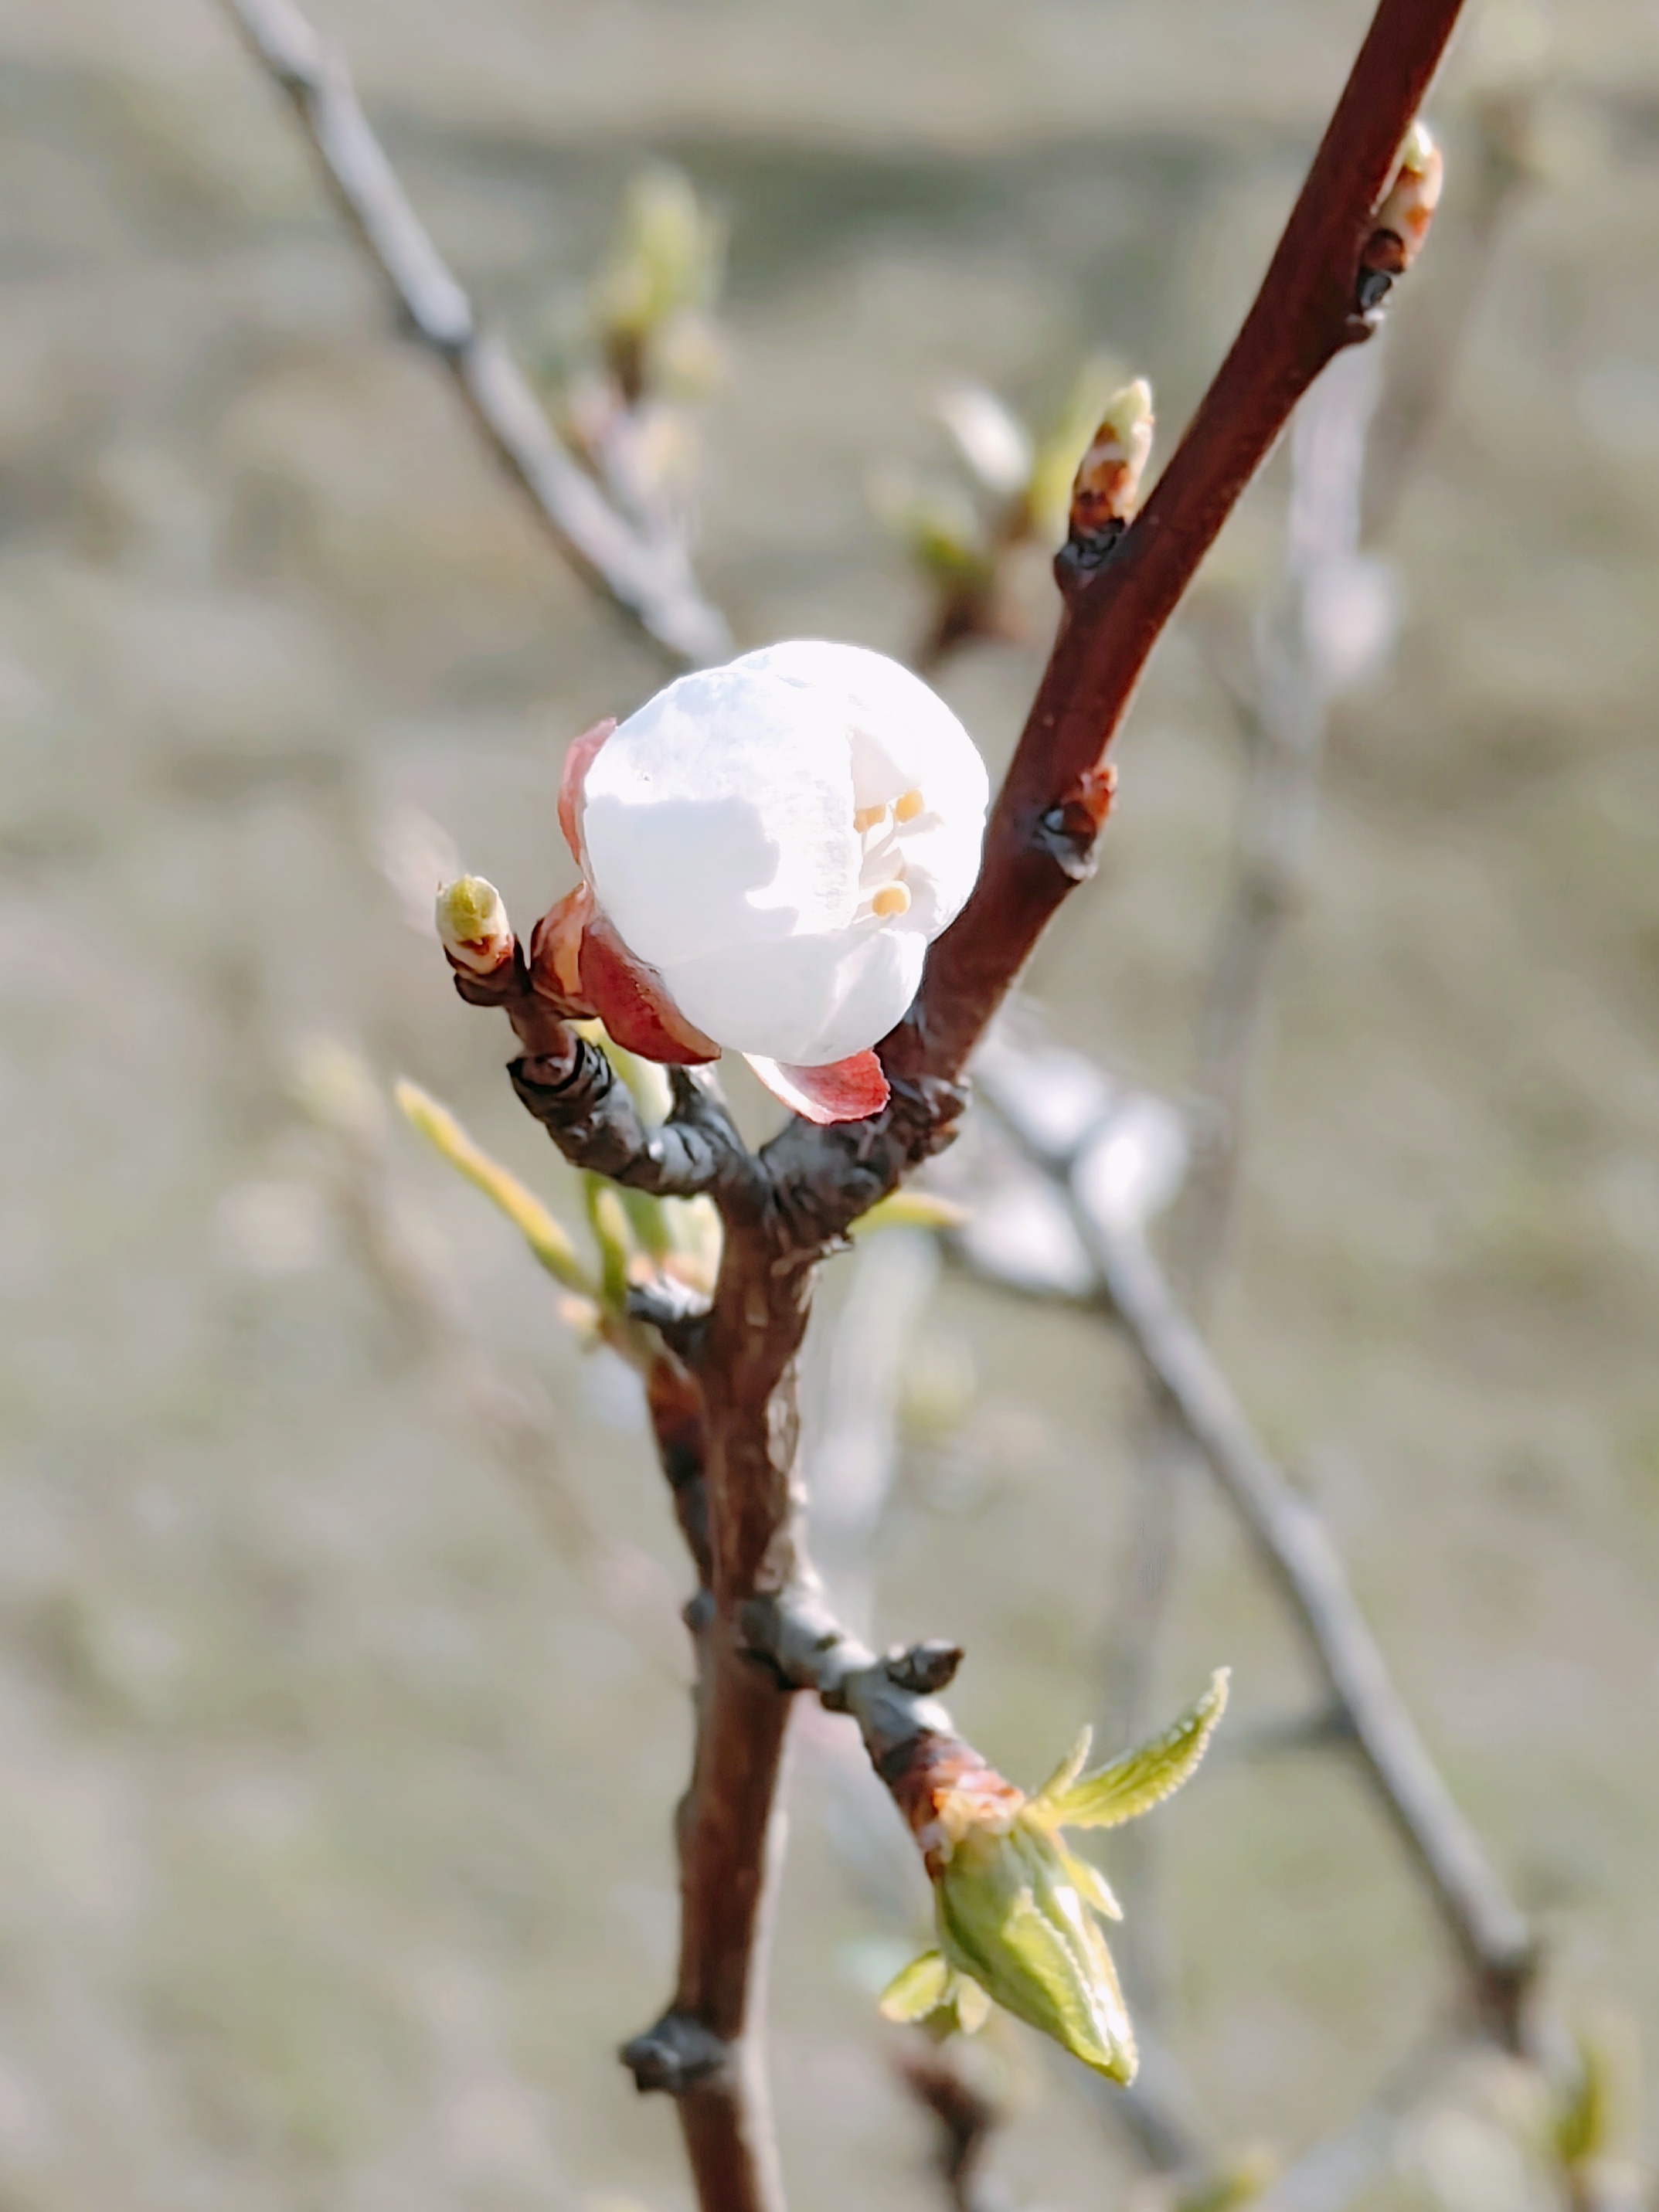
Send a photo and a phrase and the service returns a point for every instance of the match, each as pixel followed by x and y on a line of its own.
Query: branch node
pixel 1371 288
pixel 673 1307
pixel 924 1668
pixel 675 2056
pixel 1085 553
pixel 1067 830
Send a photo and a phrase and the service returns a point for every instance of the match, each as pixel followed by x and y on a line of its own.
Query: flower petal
pixel 806 1000
pixel 723 810
pixel 904 736
pixel 630 1000
pixel 847 1091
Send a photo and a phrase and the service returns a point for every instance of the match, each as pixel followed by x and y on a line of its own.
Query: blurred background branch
pixel 613 531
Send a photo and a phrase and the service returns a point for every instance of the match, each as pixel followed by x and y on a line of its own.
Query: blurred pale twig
pixel 1492 1937
pixel 337 1094
pixel 641 566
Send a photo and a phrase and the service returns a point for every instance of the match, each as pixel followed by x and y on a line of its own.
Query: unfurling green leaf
pixel 1141 1779
pixel 930 1991
pixel 1065 1773
pixel 539 1230
pixel 1239 2181
pixel 1018 1911
pixel 1582 2127
pixel 1092 1886
pixel 916 1989
pixel 662 281
pixel 1011 1919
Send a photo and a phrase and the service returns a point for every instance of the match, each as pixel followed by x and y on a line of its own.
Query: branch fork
pixel 723 1396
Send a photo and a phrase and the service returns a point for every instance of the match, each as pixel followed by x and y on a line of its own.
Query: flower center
pixel 884 895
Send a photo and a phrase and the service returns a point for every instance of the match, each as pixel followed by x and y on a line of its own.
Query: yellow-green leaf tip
pixel 1143 1778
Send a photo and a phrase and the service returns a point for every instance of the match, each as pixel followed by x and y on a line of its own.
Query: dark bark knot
pixel 675 2056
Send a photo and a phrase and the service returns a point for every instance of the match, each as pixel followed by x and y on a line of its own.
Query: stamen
pixel 866 818
pixel 889 900
pixel 907 808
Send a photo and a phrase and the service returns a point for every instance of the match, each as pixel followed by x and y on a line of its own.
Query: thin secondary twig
pixel 645 572
pixel 967 2121
pixel 516 1423
pixel 1490 1935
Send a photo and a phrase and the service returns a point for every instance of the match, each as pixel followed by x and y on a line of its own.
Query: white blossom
pixel 779 840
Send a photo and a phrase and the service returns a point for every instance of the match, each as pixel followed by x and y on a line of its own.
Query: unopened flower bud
pixel 1401 223
pixel 472 925
pixel 1107 485
pixel 771 847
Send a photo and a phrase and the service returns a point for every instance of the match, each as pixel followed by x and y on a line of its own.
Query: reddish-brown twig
pixel 1041 838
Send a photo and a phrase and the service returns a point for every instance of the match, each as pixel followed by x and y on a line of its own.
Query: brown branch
pixel 646 573
pixel 784 1211
pixel 1041 839
pixel 763 1631
pixel 566 1084
pixel 1490 1935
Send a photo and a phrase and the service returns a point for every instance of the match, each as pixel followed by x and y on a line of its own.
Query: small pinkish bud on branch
pixel 1401 221
pixel 472 926
pixel 1106 486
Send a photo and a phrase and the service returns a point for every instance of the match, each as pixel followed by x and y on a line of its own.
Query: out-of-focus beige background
pixel 334 1852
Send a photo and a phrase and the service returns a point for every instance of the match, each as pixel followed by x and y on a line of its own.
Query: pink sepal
pixel 846 1090
pixel 633 1003
pixel 578 759
pixel 556 950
